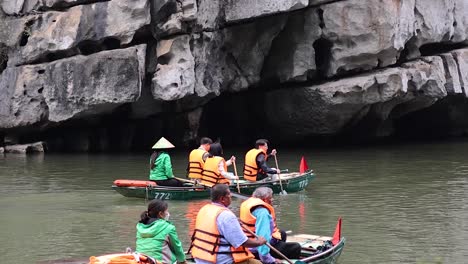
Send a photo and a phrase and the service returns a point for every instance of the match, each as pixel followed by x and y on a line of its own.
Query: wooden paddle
pixel 271 247
pixel 184 180
pixel 235 172
pixel 279 177
pixel 240 195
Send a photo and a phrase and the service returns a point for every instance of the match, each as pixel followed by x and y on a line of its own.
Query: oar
pixel 240 195
pixel 235 171
pixel 279 177
pixel 185 180
pixel 272 248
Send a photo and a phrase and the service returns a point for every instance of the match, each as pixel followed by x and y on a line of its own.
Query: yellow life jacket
pixel 196 163
pixel 251 168
pixel 211 174
pixel 248 219
pixel 206 237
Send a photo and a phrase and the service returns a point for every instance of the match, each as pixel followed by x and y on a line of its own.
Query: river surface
pixel 399 204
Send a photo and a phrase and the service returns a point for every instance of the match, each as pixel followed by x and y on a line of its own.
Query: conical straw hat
pixel 163 144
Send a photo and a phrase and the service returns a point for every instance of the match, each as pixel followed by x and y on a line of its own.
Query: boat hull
pixel 164 192
pixel 329 256
pixel 291 182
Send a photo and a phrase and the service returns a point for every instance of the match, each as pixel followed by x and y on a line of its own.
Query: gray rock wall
pixel 70 88
pixel 320 67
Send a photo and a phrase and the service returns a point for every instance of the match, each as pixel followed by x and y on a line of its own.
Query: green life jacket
pixel 153 240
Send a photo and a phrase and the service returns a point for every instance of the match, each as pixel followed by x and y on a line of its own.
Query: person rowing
pixel 258 215
pixel 256 167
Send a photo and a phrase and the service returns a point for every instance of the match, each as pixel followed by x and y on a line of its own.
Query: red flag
pixel 337 234
pixel 303 166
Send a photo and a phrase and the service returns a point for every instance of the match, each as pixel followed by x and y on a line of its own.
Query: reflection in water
pixel 302 215
pixel 191 213
pixel 400 204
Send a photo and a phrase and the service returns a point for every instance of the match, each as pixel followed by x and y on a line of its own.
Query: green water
pixel 399 204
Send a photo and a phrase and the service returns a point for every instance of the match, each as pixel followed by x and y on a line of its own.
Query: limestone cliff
pixel 91 75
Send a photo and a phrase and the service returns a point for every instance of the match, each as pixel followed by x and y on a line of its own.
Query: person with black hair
pixel 198 157
pixel 218 236
pixel 256 168
pixel 161 166
pixel 156 236
pixel 215 168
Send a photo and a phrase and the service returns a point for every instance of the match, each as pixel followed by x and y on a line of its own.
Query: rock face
pixel 123 73
pixel 175 71
pixel 37 147
pixel 70 88
pixel 328 108
pixel 78 28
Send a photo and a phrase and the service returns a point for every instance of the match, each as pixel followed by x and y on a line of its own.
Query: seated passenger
pixel 215 168
pixel 218 237
pixel 157 237
pixel 198 157
pixel 161 166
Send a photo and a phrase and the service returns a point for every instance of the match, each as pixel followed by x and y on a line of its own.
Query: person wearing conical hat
pixel 161 166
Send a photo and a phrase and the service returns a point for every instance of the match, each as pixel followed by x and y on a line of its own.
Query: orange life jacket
pixel 123 258
pixel 196 163
pixel 251 168
pixel 247 218
pixel 211 174
pixel 206 237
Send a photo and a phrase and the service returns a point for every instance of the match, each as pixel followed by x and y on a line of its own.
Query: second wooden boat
pixel 291 182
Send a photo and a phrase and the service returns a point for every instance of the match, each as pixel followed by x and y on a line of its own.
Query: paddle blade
pixel 303 165
pixel 337 235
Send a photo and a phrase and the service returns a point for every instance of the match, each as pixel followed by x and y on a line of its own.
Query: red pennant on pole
pixel 337 235
pixel 303 166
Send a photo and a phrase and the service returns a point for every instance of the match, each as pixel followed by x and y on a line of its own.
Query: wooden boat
pixel 291 182
pixel 315 249
pixel 311 252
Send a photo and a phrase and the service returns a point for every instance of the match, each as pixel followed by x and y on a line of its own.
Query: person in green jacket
pixel 156 236
pixel 161 166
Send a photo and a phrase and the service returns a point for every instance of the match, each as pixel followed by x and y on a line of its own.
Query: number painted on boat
pixel 162 196
pixel 303 184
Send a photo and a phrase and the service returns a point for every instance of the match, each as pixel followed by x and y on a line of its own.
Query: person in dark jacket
pixel 256 168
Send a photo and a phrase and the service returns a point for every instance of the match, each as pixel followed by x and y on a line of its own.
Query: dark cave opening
pixel 439 48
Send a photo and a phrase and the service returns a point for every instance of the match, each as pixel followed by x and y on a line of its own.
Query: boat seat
pixel 308 241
